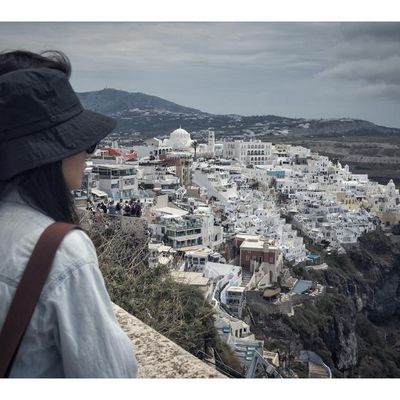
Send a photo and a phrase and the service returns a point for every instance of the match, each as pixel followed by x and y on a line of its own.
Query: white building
pixel 236 333
pixel 254 152
pixel 178 232
pixel 118 181
pixel 197 259
pixel 157 176
pixel 160 255
pixel 155 148
pixel 216 181
pixel 212 233
pixel 227 280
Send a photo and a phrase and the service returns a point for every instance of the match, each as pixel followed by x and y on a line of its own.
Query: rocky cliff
pixel 355 326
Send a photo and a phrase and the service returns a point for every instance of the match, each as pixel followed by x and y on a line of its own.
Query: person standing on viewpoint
pixel 45 139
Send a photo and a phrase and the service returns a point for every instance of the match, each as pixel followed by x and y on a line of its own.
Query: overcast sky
pixel 310 70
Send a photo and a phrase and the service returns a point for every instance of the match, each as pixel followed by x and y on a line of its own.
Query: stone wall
pixel 159 357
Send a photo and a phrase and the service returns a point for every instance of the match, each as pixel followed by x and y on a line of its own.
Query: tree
pixel 195 144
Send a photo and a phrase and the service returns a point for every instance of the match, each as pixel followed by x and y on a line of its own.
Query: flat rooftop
pixel 98 192
pixel 253 245
pixel 189 248
pixel 222 269
pixel 161 247
pixel 200 252
pixel 190 278
pixel 115 167
pixel 171 211
pixel 247 237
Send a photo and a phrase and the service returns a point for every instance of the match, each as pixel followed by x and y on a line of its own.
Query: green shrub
pixel 175 310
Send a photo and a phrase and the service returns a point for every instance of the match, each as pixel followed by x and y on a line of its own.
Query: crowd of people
pixel 131 208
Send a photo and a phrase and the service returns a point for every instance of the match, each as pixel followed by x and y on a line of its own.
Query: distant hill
pixel 111 101
pixel 144 116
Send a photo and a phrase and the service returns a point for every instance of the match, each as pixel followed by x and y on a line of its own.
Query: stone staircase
pixel 246 276
pixel 316 367
pixel 318 371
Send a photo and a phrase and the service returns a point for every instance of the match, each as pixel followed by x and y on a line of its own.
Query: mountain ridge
pixel 147 115
pixel 129 100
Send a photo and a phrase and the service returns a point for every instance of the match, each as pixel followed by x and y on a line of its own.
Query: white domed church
pixel 179 139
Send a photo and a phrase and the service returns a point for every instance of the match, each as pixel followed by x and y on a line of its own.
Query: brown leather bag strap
pixel 28 293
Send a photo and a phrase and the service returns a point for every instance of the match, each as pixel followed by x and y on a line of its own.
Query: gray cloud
pixel 370 70
pixel 389 31
pixel 293 69
pixel 368 53
pixel 384 90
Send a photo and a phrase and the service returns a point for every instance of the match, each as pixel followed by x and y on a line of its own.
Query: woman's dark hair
pixel 22 59
pixel 44 187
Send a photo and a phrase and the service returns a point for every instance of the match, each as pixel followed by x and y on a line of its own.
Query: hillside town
pixel 233 218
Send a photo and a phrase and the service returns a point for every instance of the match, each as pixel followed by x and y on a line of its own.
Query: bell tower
pixel 211 142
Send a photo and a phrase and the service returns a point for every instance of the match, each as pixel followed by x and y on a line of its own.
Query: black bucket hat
pixel 43 121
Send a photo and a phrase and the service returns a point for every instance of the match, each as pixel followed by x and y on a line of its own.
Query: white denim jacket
pixel 73 331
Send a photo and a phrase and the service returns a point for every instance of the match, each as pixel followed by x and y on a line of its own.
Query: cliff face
pixel 378 260
pixel 355 327
pixel 341 341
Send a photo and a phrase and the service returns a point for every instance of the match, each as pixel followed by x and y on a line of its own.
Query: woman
pixel 45 139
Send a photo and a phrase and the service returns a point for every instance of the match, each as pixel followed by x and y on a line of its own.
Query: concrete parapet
pixel 159 357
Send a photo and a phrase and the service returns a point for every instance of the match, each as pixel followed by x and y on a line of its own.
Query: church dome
pixel 391 183
pixel 180 139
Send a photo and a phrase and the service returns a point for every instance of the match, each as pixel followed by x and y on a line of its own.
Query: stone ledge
pixel 159 357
